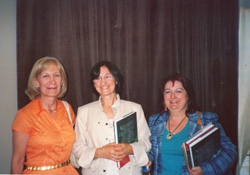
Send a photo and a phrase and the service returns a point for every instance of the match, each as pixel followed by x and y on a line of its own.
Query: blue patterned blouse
pixel 220 164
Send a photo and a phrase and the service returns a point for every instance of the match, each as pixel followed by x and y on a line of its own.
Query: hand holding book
pixel 112 151
pixel 202 146
pixel 125 133
pixel 122 150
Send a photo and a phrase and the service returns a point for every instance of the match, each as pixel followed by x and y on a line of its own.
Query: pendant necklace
pixel 170 134
pixel 49 110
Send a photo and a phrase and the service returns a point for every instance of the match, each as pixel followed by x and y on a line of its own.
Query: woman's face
pixel 105 83
pixel 49 82
pixel 175 96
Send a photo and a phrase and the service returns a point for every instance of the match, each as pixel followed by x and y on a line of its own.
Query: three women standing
pixel 44 135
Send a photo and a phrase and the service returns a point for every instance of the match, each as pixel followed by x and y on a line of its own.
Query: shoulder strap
pixel 66 105
pixel 199 122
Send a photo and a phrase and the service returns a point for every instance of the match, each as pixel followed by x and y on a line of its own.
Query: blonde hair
pixel 40 65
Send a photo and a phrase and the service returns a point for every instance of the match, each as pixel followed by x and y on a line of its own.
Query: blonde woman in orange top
pixel 43 135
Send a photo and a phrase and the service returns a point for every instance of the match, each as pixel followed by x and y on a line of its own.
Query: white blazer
pixel 94 129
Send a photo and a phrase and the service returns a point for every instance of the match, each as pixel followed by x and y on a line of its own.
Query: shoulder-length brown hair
pixel 95 72
pixel 187 85
pixel 40 65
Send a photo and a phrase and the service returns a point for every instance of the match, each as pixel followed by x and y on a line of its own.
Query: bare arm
pixel 20 141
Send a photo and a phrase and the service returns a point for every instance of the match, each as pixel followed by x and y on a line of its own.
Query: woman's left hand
pixel 122 150
pixel 195 171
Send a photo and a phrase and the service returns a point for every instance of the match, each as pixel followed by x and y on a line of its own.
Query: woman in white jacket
pixel 94 148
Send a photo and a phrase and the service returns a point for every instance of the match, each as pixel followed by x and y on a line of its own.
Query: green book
pixel 126 129
pixel 126 132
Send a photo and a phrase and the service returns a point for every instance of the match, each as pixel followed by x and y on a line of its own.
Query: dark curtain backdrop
pixel 146 39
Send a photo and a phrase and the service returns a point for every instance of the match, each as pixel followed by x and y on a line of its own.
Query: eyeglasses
pixel 106 78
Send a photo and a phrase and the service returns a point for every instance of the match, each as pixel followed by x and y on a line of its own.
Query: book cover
pixel 186 154
pixel 126 132
pixel 202 146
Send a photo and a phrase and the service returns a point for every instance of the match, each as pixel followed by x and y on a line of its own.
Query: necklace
pixel 170 134
pixel 49 110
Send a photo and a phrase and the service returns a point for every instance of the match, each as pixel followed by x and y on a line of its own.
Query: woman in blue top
pixel 179 121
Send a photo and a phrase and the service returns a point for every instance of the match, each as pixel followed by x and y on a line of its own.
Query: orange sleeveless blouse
pixel 50 140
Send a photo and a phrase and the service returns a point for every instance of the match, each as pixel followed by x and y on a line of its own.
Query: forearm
pixel 20 141
pixel 17 166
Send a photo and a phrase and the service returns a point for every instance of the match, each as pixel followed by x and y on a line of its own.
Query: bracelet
pixel 145 168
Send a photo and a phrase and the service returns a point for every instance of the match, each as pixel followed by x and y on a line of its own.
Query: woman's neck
pixel 108 101
pixel 177 115
pixel 49 104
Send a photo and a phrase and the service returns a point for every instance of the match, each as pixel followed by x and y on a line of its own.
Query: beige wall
pixel 8 83
pixel 244 82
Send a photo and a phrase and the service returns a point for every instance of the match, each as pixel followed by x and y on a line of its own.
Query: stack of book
pixel 202 146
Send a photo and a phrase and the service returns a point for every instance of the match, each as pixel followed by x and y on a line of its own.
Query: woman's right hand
pixel 149 163
pixel 106 151
pixel 195 171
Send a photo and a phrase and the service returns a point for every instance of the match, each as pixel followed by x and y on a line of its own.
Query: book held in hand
pixel 126 132
pixel 202 146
